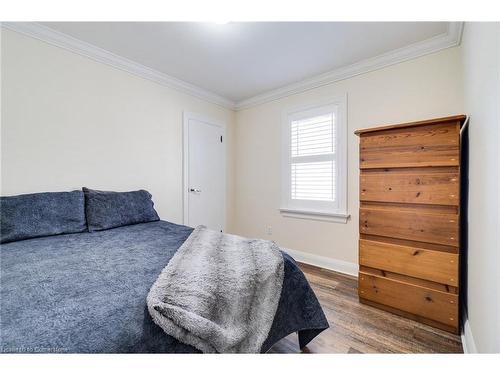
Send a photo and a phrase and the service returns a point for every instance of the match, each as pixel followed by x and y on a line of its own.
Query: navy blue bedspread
pixel 86 293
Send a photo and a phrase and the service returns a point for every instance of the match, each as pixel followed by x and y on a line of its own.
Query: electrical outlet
pixel 269 230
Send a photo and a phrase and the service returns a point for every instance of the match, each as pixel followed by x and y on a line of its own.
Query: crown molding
pixel 80 47
pixel 451 38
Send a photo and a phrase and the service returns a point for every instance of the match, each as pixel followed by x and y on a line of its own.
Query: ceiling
pixel 238 61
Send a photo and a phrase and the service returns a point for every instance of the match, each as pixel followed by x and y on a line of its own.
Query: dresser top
pixel 460 118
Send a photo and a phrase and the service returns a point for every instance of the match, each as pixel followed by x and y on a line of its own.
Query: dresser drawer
pixel 417 224
pixel 435 145
pixel 433 265
pixel 414 185
pixel 409 220
pixel 414 299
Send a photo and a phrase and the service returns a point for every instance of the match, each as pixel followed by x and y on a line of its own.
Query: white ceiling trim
pixel 80 47
pixel 449 39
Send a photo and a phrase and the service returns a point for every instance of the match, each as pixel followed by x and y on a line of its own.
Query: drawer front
pixel 436 145
pixel 431 304
pixel 422 187
pixel 438 266
pixel 416 225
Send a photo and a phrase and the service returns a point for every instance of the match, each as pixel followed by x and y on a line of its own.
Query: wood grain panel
pixel 417 156
pixel 410 186
pixel 432 304
pixel 438 266
pixel 401 242
pixel 457 119
pixel 410 223
pixel 431 145
pixel 445 134
pixel 409 279
pixel 416 317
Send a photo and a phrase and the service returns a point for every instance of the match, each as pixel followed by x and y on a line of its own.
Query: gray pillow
pixel 109 209
pixel 41 214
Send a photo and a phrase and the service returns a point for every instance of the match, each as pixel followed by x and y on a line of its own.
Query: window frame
pixel 311 209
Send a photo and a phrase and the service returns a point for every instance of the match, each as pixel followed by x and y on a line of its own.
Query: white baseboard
pixel 337 265
pixel 468 342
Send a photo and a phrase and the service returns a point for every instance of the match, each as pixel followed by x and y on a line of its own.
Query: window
pixel 314 162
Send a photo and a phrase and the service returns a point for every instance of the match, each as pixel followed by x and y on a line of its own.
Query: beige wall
pixel 68 122
pixel 427 87
pixel 481 63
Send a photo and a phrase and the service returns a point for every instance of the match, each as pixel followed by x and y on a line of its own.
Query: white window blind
pixel 315 161
pixel 312 164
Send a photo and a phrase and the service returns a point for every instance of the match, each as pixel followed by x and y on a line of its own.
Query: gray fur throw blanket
pixel 219 292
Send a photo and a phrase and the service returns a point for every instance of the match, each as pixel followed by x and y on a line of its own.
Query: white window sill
pixel 316 215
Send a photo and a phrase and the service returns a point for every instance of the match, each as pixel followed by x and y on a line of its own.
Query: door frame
pixel 208 121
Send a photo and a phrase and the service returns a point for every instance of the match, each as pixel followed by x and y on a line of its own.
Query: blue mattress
pixel 86 293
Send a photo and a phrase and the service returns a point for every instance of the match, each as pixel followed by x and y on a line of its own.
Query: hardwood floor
pixel 357 328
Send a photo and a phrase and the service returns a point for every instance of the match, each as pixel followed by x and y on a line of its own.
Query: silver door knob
pixel 195 190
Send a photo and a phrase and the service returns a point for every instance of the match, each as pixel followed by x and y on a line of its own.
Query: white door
pixel 204 173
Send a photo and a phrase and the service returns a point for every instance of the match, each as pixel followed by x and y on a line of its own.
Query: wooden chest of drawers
pixel 409 220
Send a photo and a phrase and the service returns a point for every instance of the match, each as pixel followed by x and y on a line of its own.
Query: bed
pixel 86 293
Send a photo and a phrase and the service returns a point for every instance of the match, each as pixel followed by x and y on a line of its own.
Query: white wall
pixel 68 122
pixel 424 88
pixel 481 63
